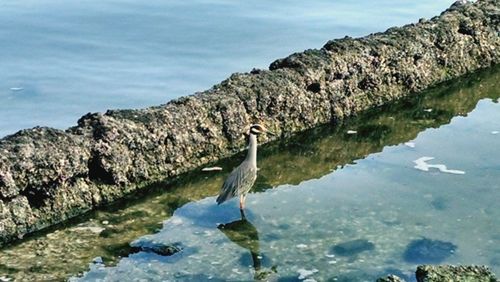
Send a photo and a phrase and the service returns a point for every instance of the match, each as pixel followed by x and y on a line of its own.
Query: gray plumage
pixel 239 182
pixel 242 178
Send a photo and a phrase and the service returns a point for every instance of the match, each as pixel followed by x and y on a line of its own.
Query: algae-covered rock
pixel 449 273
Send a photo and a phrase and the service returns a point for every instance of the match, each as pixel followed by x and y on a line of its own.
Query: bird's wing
pixel 238 182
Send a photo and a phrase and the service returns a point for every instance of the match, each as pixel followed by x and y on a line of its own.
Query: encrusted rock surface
pixel 447 273
pixel 390 278
pixel 450 273
pixel 49 175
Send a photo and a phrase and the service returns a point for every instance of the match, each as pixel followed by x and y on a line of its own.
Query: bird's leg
pixel 242 213
pixel 242 202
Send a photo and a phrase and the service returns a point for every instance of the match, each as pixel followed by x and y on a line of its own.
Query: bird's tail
pixel 223 196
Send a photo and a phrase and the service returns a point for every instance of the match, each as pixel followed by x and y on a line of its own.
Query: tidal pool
pixel 328 205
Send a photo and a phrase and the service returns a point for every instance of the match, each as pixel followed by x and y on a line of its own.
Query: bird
pixel 242 178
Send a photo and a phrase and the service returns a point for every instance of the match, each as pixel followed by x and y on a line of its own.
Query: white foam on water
pixel 410 144
pixel 421 164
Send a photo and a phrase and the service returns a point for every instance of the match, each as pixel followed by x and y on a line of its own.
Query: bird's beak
pixel 268 132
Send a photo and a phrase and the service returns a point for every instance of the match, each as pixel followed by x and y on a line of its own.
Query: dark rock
pixel 159 249
pixel 354 247
pixel 440 273
pixel 428 251
pixel 49 175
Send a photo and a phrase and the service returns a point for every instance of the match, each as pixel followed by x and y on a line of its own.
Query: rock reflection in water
pixel 295 161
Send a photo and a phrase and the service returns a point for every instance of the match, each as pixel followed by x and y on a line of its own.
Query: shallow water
pixel 316 193
pixel 62 59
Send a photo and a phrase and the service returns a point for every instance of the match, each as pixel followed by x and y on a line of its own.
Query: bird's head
pixel 258 129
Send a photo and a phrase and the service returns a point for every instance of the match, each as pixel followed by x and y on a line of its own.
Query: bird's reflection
pixel 244 234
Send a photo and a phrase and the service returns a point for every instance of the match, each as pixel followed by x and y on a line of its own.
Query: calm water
pixel 316 193
pixel 62 59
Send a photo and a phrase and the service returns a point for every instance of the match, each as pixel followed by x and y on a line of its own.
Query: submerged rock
pixel 353 247
pixel 428 251
pixel 157 248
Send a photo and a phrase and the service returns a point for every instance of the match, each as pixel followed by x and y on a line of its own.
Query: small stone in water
pixel 98 260
pixel 428 251
pixel 353 247
pixel 105 222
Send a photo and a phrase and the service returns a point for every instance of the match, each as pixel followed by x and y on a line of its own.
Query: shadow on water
pixel 67 248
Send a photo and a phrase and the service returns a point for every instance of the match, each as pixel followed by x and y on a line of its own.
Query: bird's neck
pixel 252 149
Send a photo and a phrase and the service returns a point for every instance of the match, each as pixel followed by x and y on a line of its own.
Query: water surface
pixel 62 59
pixel 316 193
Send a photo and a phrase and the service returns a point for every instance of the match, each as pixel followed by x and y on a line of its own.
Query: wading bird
pixel 242 178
